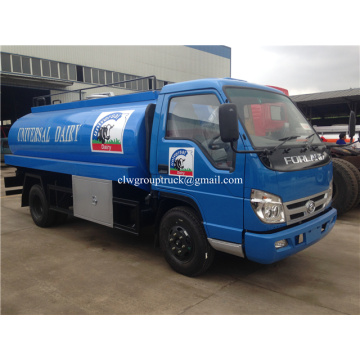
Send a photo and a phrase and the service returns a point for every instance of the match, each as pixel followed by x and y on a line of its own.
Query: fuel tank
pixel 108 131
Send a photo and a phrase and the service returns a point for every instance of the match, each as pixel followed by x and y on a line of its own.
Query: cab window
pixel 196 118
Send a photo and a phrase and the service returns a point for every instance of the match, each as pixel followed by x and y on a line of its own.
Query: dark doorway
pixel 17 101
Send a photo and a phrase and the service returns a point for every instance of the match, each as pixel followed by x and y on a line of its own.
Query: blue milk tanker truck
pixel 212 165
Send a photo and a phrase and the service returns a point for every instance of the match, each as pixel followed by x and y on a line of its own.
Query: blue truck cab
pixel 212 165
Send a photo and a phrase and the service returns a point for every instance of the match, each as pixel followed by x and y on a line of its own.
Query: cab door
pixel 194 162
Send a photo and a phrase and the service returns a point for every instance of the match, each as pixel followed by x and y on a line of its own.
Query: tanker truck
pixel 210 165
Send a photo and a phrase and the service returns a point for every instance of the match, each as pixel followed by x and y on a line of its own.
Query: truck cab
pixel 270 198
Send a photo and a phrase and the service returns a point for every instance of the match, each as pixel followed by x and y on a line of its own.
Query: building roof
pixel 330 107
pixel 328 97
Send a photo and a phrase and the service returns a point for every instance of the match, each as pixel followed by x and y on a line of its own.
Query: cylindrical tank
pixel 102 131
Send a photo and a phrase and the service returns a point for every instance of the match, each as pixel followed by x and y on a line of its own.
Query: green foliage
pixel 115 141
pixel 180 170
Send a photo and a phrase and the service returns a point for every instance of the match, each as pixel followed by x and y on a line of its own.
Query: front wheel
pixel 184 242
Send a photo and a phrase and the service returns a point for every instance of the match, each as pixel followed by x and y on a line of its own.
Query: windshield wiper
pixel 284 140
pixel 306 145
pixel 267 151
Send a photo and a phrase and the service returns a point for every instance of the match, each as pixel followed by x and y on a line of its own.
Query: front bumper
pixel 261 247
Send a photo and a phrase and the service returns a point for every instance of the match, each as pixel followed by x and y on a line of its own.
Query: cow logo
pixel 181 161
pixel 310 206
pixel 108 131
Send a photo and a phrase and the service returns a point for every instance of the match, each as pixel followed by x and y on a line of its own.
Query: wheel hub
pixel 180 243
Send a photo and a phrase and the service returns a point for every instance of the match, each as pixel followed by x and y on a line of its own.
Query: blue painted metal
pixel 220 50
pixel 93 170
pixel 58 138
pixel 257 176
pixel 261 248
pixel 221 205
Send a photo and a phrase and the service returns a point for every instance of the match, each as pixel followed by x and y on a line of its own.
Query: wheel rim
pixel 180 243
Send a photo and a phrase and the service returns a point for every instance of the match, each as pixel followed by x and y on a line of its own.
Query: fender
pixel 184 199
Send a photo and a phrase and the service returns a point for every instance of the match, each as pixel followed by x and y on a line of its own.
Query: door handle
pixel 163 169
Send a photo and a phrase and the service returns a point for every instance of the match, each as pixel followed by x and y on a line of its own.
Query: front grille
pixel 296 210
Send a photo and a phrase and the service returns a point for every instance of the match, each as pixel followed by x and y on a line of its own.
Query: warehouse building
pixel 330 107
pixel 40 71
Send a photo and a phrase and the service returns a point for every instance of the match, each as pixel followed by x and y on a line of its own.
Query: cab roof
pixel 212 83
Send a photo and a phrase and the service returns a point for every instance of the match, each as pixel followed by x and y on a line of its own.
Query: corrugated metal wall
pixel 169 63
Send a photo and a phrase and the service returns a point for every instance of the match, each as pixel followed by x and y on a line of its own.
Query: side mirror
pixel 352 123
pixel 228 123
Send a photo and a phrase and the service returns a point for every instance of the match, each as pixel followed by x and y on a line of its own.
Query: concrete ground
pixel 85 268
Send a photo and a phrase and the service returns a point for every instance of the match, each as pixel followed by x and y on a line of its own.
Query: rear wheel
pixel 345 186
pixel 356 172
pixel 184 242
pixel 39 207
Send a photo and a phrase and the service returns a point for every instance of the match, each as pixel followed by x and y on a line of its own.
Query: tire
pixel 39 207
pixel 345 187
pixel 356 172
pixel 184 242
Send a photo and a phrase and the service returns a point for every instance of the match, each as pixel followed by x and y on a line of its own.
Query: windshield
pixel 271 119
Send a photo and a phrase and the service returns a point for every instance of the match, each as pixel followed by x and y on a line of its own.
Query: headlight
pixel 267 207
pixel 328 194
